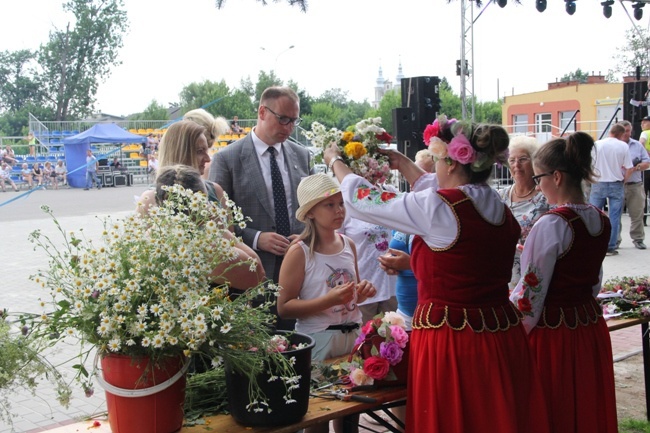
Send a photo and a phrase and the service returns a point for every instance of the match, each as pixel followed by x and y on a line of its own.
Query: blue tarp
pixel 75 148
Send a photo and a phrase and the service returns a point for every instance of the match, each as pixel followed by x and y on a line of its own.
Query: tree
pixel 265 80
pixel 76 60
pixel 450 103
pixel 578 75
pixel 19 83
pixel 488 112
pixel 633 53
pixel 206 94
pixel 322 112
pixel 154 111
pixel 391 100
pixel 302 4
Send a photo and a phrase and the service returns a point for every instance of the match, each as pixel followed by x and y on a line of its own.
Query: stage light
pixel 502 3
pixel 607 8
pixel 540 5
pixel 638 11
pixel 570 7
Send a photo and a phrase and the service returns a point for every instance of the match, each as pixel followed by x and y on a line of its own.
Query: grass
pixel 633 426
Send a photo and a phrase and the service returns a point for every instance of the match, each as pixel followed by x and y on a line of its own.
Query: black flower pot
pixel 281 413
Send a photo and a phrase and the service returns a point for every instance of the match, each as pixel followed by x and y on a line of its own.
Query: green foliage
pixel 302 4
pixel 196 95
pixel 488 112
pixel 22 367
pixel 154 111
pixel 77 59
pixel 578 75
pixel 19 81
pixel 323 112
pixel 633 426
pixel 265 80
pixel 632 53
pixel 392 99
pixel 450 103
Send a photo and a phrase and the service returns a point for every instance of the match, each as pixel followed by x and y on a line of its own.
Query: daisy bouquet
pixel 146 289
pixel 359 148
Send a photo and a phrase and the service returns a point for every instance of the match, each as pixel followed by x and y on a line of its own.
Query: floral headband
pixel 447 139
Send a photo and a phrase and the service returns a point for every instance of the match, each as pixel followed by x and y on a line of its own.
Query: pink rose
pixel 430 131
pixel 368 327
pixel 376 367
pixel 400 336
pixel 461 150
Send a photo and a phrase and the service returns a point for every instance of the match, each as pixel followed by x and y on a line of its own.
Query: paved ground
pixel 77 209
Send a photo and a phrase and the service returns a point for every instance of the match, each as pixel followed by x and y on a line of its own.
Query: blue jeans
pixel 615 193
pixel 90 177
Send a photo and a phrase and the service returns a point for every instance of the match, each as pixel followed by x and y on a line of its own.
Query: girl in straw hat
pixel 319 274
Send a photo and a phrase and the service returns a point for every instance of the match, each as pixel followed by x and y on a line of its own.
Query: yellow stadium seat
pixel 133 131
pixel 134 156
pixel 149 130
pixel 142 131
pixel 143 163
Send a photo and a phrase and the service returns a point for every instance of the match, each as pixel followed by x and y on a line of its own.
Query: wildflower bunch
pixel 626 297
pixel 147 289
pixel 359 149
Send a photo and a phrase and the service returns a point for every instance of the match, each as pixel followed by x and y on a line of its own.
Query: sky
pixel 337 44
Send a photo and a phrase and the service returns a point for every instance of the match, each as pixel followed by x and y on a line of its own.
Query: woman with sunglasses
pixel 526 202
pixel 561 275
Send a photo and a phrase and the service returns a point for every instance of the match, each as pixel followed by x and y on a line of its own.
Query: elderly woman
pixel 526 203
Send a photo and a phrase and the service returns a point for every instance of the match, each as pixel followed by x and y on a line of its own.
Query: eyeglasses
pixel 537 177
pixel 284 120
pixel 521 160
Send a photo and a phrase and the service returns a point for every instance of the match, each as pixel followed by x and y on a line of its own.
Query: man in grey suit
pixel 244 171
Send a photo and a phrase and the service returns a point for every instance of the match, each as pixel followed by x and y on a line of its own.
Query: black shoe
pixel 611 252
pixel 85 189
pixel 639 244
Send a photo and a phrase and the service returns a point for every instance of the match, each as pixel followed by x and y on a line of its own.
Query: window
pixel 520 123
pixel 543 123
pixel 565 118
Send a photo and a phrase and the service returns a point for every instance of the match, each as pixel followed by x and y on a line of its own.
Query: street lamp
pixel 279 54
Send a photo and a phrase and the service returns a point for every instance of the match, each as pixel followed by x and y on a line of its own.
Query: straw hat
pixel 312 190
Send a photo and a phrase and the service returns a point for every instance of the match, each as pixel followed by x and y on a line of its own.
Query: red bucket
pixel 142 398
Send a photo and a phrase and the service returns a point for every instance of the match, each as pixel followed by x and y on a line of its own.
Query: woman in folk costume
pixel 561 275
pixel 470 366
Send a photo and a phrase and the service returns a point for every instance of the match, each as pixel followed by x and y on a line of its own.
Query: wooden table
pixel 320 410
pixel 615 325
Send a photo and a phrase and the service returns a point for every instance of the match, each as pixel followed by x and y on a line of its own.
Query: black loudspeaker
pixel 634 90
pixel 409 140
pixel 422 94
pixel 107 179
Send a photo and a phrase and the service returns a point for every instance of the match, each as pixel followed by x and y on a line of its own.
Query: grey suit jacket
pixel 237 169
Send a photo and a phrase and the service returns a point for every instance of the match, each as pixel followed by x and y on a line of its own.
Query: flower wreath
pixel 448 139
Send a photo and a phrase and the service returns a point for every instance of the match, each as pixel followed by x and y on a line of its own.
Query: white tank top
pixel 322 273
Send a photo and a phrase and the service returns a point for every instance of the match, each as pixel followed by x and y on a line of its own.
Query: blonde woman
pixel 184 143
pixel 214 127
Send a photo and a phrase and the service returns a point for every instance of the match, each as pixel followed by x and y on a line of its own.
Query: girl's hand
pixel 341 294
pixel 365 290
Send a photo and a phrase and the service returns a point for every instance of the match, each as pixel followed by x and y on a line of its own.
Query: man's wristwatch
pixel 331 164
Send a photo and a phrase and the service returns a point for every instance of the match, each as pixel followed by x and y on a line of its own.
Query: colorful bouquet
pixel 359 149
pixel 379 350
pixel 626 297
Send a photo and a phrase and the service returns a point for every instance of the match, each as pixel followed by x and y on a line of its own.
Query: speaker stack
pixel 635 90
pixel 420 106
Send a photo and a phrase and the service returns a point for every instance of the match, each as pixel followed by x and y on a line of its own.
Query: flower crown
pixel 448 139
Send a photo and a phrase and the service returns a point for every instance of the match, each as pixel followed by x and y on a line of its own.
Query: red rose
pixel 524 305
pixel 362 193
pixel 531 279
pixel 384 136
pixel 368 328
pixel 385 196
pixel 376 367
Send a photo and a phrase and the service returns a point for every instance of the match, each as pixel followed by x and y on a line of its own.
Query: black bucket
pixel 281 412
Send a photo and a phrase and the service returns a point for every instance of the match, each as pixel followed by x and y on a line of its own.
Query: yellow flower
pixel 347 136
pixel 355 149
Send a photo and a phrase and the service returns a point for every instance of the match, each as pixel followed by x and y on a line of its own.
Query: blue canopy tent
pixel 75 148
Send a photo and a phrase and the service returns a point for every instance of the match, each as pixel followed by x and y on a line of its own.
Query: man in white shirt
pixel 612 165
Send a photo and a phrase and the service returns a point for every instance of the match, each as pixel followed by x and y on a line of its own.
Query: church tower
pixel 399 77
pixel 379 88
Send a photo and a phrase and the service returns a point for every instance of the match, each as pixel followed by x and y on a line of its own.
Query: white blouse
pixel 419 212
pixel 549 238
